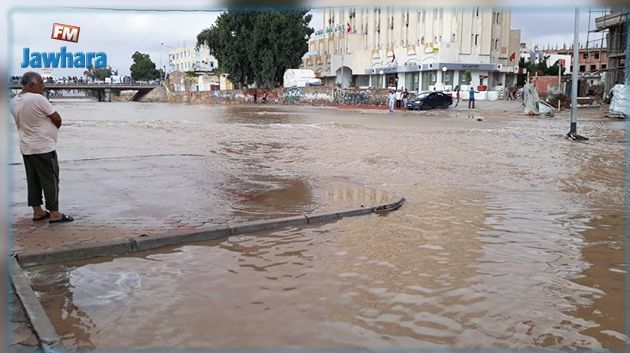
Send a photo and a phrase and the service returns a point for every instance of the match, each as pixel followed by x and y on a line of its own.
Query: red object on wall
pixel 481 88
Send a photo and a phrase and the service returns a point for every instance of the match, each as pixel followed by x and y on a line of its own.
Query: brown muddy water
pixel 512 236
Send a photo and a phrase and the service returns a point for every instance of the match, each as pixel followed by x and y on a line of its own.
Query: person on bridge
pixel 37 124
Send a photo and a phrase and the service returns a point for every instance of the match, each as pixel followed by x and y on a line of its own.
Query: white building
pixel 189 58
pixel 415 48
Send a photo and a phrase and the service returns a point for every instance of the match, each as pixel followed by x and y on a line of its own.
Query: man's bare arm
pixel 56 119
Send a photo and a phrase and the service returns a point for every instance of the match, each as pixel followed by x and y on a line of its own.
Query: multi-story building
pixel 189 58
pixel 591 59
pixel 415 48
pixel 615 24
pixel 593 63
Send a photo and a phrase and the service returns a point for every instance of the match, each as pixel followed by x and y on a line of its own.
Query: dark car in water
pixel 430 100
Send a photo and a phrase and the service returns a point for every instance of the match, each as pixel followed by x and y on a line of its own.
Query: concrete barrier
pixel 143 243
pixel 76 252
pixel 43 328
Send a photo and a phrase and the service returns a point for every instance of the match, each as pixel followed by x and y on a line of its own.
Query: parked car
pixel 430 100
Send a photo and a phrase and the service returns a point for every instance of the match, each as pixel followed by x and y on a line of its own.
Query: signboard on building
pixel 459 66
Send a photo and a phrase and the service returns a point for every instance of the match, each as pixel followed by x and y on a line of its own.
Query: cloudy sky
pixel 121 33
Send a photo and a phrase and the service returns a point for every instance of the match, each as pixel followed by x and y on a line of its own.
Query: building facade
pixel 415 48
pixel 593 63
pixel 615 24
pixel 189 58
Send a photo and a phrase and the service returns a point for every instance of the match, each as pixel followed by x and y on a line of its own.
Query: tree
pixel 143 68
pixel 258 47
pixel 98 74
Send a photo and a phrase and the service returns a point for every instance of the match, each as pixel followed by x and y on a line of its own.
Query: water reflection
pixel 254 196
pixel 73 324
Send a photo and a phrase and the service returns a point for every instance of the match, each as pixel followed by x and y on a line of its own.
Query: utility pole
pixel 342 35
pixel 574 79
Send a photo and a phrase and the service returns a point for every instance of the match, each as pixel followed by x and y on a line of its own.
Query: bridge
pixel 103 90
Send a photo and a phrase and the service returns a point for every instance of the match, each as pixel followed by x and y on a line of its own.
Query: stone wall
pixel 334 96
pixel 292 95
pixel 158 94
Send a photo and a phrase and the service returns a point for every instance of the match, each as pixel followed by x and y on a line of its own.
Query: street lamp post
pixel 574 80
pixel 163 70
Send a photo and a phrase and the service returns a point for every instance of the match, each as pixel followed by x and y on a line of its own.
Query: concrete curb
pixel 143 243
pixel 40 322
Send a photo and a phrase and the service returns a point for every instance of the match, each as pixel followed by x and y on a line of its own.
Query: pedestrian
pixel 398 98
pixel 457 96
pixel 471 98
pixel 405 98
pixel 392 101
pixel 512 93
pixel 37 124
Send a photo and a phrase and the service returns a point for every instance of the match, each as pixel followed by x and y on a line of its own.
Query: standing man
pixel 37 124
pixel 392 100
pixel 471 98
pixel 398 98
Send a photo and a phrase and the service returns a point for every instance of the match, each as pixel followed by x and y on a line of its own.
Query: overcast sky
pixel 120 33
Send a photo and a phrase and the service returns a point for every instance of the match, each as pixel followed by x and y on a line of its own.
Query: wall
pixel 292 95
pixel 545 84
pixel 334 96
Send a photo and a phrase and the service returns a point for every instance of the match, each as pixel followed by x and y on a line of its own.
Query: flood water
pixel 511 237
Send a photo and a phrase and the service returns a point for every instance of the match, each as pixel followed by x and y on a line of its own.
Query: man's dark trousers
pixel 42 173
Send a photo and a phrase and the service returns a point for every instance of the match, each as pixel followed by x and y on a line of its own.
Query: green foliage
pixel 143 68
pixel 190 74
pixel 467 77
pixel 541 68
pixel 98 74
pixel 258 47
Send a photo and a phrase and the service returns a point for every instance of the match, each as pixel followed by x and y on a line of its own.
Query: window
pixel 585 56
pixel 448 77
pixel 603 66
pixel 362 80
pixel 498 15
pixel 582 68
pixel 464 78
pixel 596 56
pixel 424 13
pixel 422 40
pixel 496 44
pixel 377 81
pixel 477 12
pixel 476 39
pixel 593 67
pixel 453 38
